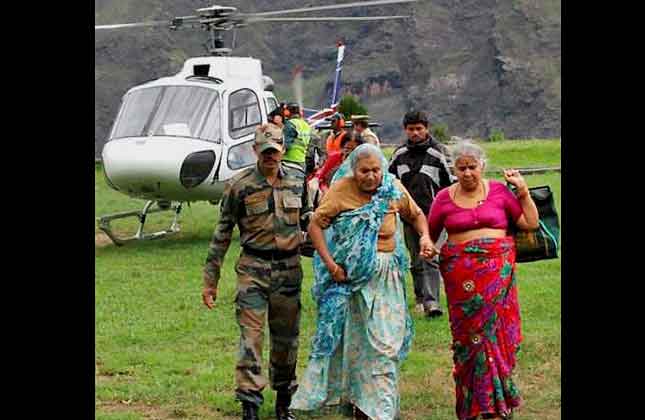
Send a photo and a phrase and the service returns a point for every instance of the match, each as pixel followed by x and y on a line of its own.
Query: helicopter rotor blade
pixel 331 7
pixel 324 19
pixel 135 24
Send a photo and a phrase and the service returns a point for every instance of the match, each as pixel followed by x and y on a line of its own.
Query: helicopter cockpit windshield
pixel 175 111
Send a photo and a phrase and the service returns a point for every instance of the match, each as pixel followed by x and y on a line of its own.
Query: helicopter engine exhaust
pixel 297 85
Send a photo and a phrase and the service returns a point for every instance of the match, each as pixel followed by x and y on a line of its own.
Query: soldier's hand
pixel 209 294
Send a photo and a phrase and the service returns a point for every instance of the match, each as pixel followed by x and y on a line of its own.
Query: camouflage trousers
pixel 267 290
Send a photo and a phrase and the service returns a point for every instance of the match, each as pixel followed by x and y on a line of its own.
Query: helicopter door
pixel 270 102
pixel 244 116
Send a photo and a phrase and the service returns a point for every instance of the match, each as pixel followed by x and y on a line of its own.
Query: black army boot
pixel 249 411
pixel 282 402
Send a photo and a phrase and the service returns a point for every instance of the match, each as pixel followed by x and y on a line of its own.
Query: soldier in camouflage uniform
pixel 266 202
pixel 361 126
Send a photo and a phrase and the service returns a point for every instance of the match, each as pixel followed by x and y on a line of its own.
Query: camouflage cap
pixel 269 136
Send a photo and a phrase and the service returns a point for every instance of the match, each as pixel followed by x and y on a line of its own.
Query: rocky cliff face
pixel 476 65
pixel 487 64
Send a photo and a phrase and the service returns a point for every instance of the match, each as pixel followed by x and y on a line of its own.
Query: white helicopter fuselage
pixel 180 138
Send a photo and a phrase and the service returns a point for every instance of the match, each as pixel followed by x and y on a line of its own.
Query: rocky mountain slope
pixel 476 65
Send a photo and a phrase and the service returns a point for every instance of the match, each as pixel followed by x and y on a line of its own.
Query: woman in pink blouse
pixel 477 263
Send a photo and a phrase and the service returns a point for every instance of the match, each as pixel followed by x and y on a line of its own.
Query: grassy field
pixel 161 355
pixel 517 153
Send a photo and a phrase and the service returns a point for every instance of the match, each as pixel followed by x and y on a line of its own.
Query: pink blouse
pixel 500 205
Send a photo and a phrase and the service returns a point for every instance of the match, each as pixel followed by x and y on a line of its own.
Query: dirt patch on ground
pixel 153 412
pixel 109 376
pixel 101 240
pixel 148 411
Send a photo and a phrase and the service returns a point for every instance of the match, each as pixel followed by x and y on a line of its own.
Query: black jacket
pixel 422 169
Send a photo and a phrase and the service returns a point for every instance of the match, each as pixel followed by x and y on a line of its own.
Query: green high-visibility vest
pixel 298 149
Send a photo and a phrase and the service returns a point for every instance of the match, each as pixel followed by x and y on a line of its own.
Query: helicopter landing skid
pixel 104 223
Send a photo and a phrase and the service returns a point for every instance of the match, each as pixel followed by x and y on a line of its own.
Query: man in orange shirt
pixel 336 135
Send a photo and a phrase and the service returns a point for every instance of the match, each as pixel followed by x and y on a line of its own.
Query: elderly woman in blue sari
pixel 364 329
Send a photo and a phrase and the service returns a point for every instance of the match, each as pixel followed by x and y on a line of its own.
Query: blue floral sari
pixel 364 329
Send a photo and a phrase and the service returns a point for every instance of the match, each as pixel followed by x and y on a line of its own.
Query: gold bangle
pixel 333 273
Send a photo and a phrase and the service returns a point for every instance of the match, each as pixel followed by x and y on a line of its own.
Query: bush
pixel 496 135
pixel 440 132
pixel 349 106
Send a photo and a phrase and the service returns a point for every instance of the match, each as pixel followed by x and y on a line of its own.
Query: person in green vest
pixel 297 134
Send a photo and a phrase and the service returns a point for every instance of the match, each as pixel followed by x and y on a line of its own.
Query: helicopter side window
pixel 244 111
pixel 271 104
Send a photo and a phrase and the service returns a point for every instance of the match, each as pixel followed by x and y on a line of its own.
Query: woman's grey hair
pixel 363 151
pixel 467 148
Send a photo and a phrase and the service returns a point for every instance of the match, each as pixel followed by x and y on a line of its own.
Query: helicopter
pixel 178 139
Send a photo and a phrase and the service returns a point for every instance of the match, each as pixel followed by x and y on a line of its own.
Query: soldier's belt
pixel 270 254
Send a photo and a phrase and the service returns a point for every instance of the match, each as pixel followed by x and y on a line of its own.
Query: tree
pixel 349 106
pixel 440 132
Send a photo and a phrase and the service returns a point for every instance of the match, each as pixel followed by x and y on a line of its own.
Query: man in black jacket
pixel 421 165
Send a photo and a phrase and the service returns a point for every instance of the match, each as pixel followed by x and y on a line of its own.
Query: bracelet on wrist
pixel 333 272
pixel 523 194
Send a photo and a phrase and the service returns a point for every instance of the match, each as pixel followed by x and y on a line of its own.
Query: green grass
pixel 523 153
pixel 160 354
pixel 516 153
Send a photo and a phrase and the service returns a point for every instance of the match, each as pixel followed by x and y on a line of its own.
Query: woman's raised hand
pixel 514 177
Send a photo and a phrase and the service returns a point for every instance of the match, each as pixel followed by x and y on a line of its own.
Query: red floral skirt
pixel 479 277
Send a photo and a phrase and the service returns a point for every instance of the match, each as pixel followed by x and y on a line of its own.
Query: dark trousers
pixel 425 275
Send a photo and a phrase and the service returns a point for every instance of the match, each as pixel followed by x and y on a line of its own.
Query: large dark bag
pixel 543 243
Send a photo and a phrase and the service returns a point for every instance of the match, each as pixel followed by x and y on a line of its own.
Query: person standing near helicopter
pixel 265 202
pixel 360 124
pixel 276 117
pixel 336 135
pixel 297 135
pixel 421 165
